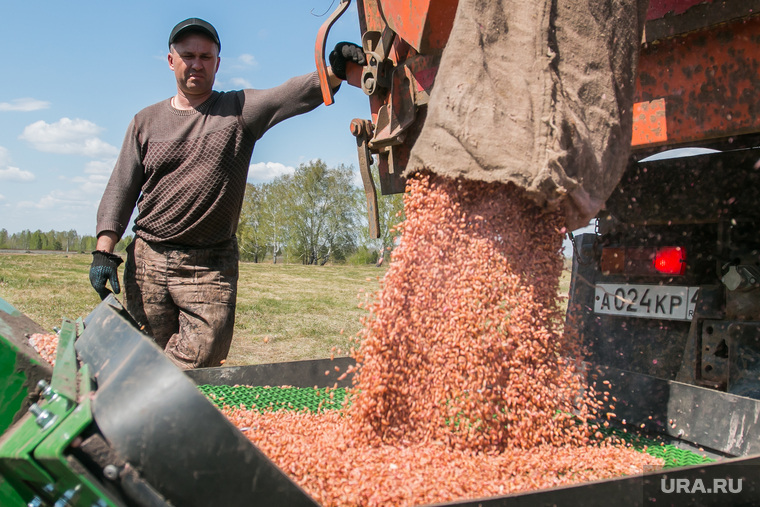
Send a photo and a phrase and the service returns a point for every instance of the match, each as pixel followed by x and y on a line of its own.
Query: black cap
pixel 196 25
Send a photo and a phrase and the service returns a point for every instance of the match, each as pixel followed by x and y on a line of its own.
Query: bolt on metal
pixel 68 497
pixel 111 472
pixel 47 390
pixel 43 418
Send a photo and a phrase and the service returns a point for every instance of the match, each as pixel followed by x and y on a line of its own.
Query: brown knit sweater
pixel 186 170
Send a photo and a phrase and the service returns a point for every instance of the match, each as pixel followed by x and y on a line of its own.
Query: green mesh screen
pixel 672 456
pixel 320 399
pixel 275 398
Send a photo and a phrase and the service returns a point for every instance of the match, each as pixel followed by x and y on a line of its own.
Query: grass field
pixel 285 312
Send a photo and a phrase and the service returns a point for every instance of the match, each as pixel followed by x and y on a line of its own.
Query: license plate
pixel 646 301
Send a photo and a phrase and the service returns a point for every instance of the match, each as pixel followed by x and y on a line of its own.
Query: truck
pixel 671 268
pixel 665 294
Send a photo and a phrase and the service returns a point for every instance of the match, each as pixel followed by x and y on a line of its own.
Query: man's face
pixel 194 60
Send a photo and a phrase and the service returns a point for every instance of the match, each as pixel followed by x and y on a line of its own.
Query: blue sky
pixel 74 74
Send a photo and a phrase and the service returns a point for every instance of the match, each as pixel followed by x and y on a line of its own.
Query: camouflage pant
pixel 184 298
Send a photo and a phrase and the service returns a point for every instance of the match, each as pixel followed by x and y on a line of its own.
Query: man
pixel 184 162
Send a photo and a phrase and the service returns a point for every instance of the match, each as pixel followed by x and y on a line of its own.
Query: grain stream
pixel 466 385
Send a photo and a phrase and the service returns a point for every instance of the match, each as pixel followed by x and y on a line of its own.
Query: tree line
pixel 60 241
pixel 314 216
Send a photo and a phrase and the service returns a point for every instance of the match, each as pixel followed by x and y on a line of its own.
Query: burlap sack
pixel 538 93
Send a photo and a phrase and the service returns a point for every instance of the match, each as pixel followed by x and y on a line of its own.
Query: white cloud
pixel 68 137
pixel 5 158
pixel 241 64
pixel 239 83
pixel 2 197
pixel 10 173
pixel 26 104
pixel 94 184
pixel 261 172
pixel 60 200
pixel 94 180
pixel 73 205
pixel 16 175
pixel 248 60
pixel 244 61
pixel 100 166
pixel 59 210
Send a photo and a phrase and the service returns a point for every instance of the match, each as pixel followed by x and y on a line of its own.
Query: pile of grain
pixel 466 385
pixel 319 452
pixel 46 345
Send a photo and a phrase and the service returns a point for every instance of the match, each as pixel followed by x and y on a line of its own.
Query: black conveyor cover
pixel 155 417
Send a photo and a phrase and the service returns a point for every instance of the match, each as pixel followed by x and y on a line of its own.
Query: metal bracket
pixel 362 130
pixel 319 51
pixel 377 72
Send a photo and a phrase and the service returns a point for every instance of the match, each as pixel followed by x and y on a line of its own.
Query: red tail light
pixel 670 260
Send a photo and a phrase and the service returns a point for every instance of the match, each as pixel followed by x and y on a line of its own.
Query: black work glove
pixel 345 52
pixel 104 268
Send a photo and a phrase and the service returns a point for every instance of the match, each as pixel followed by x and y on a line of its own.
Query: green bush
pixel 362 256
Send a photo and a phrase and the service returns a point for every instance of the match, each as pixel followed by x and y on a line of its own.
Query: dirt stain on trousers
pixel 185 298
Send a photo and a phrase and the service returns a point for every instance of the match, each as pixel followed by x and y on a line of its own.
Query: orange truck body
pixel 698 74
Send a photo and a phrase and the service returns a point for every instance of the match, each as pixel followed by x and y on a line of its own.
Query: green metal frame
pixel 34 463
pixel 8 495
pixel 20 365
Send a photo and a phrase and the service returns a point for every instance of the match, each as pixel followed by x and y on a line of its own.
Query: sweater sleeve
pixel 263 109
pixel 123 187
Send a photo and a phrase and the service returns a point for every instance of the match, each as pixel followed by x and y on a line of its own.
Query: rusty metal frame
pixel 699 86
pixel 668 18
pixel 319 51
pixel 697 79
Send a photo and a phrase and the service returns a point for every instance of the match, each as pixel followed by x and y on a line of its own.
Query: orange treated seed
pixel 462 368
pixel 46 345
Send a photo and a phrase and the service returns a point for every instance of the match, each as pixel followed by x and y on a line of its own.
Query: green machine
pixel 21 367
pixel 115 423
pixel 35 464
